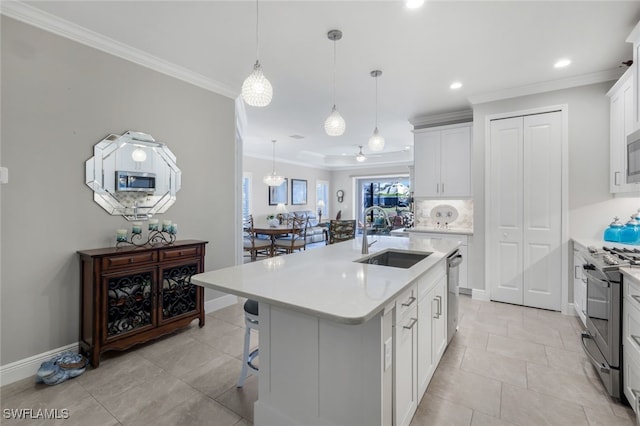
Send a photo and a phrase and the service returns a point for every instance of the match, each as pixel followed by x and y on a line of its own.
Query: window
pixel 322 194
pixel 246 195
pixel 391 193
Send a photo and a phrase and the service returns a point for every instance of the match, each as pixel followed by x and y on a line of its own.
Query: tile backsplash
pixel 461 213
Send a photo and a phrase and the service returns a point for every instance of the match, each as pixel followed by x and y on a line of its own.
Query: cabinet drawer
pixel 130 259
pixel 631 327
pixel 631 291
pixel 631 380
pixel 406 301
pixel 429 279
pixel 175 253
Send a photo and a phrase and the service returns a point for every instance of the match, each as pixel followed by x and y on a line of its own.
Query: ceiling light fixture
pixel 376 142
pixel 562 63
pixel 273 179
pixel 334 125
pixel 256 89
pixel 360 155
pixel 138 155
pixel 413 4
pixel 455 85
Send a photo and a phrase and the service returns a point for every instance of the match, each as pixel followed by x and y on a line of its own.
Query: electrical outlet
pixel 388 354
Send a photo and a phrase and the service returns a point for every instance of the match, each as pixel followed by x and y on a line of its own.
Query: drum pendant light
pixel 334 125
pixel 256 89
pixel 376 142
pixel 273 179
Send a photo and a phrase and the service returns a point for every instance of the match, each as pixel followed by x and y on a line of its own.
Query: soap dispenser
pixel 630 233
pixel 612 233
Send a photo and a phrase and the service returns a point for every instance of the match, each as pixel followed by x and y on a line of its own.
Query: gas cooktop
pixel 614 256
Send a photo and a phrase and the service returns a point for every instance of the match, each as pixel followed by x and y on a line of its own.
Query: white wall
pixel 59 98
pixel 591 206
pixel 259 167
pixel 343 179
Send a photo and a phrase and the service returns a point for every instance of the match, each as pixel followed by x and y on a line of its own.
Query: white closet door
pixel 505 211
pixel 542 225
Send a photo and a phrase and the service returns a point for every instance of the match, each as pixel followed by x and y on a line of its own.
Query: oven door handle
pixel 603 283
pixel 602 367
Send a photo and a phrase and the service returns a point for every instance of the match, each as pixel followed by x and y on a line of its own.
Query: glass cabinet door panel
pixel 178 296
pixel 129 303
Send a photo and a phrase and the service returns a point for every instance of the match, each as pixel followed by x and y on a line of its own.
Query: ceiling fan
pixel 360 157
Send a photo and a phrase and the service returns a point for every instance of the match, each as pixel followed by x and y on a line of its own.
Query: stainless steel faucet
pixel 365 245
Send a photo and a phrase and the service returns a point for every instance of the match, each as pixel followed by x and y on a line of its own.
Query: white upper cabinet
pixel 442 161
pixel 634 38
pixel 622 123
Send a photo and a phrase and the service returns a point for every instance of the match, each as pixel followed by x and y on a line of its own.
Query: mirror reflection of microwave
pixel 633 157
pixel 135 182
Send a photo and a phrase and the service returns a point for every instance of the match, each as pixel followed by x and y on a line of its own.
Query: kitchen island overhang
pixel 325 328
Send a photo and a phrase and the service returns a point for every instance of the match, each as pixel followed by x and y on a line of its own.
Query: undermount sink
pixel 395 258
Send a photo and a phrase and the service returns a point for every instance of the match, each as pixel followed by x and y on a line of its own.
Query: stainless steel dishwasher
pixel 453 277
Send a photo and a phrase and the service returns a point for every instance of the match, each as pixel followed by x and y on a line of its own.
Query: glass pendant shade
pixel 360 158
pixel 273 179
pixel 138 155
pixel 256 89
pixel 335 125
pixel 376 142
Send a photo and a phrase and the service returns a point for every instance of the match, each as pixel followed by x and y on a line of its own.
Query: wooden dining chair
pixel 296 239
pixel 251 243
pixel 341 230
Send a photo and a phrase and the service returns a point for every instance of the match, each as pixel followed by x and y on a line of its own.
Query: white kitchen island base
pixel 318 372
pixel 344 342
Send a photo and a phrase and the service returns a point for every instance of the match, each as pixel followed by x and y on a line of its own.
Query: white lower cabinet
pixel 631 341
pixel 420 333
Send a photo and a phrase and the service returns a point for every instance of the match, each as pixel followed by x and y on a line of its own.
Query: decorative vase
pixel 273 222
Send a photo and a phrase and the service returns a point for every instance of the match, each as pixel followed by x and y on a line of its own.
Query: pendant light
pixel 273 179
pixel 256 89
pixel 376 142
pixel 334 125
pixel 360 155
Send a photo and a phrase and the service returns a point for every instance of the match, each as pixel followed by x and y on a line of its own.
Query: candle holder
pixel 154 238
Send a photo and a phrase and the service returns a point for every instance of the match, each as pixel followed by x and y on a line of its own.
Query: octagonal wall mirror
pixel 132 175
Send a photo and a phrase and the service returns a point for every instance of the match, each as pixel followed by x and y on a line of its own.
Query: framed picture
pixel 298 192
pixel 278 194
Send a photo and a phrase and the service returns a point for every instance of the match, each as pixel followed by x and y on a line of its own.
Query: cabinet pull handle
pixel 437 188
pixel 439 305
pixel 636 298
pixel 615 178
pixel 409 302
pixel 437 314
pixel 575 272
pixel 442 188
pixel 411 324
pixel 636 339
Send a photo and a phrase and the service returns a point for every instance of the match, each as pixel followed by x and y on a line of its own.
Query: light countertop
pixel 326 282
pixel 632 273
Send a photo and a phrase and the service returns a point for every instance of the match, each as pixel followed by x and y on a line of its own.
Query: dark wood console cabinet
pixel 131 295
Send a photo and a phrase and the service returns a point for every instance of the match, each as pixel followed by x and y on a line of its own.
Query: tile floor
pixel 507 365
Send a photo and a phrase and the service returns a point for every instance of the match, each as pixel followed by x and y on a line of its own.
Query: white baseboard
pixel 479 294
pixel 28 367
pixel 219 303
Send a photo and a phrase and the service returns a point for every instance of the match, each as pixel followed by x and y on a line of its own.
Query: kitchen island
pixel 329 345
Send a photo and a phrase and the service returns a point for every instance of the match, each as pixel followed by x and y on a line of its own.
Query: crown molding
pixel 548 86
pixel 53 24
pixel 441 119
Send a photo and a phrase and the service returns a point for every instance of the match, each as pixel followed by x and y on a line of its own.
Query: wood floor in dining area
pixel 507 365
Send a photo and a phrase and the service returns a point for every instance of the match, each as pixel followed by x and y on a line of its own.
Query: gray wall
pixel 59 98
pixel 591 206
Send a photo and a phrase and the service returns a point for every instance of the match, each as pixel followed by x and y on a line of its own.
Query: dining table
pixel 272 232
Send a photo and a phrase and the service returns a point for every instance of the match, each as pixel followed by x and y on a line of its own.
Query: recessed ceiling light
pixel 455 85
pixel 562 63
pixel 413 4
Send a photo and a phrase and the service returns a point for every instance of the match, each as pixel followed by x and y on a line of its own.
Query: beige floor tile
pixel 182 359
pixel 471 338
pixel 453 354
pixel 42 396
pixel 494 366
pixel 117 375
pixel 434 411
pixel 570 361
pixel 528 408
pixel 481 419
pixel 518 349
pixel 599 417
pixel 199 411
pixel 572 341
pixel 243 422
pixel 467 389
pixel 568 386
pixel 214 329
pixel 233 343
pixel 241 400
pixel 622 410
pixel 502 312
pixel 536 334
pixel 216 377
pixel 88 411
pixel 149 400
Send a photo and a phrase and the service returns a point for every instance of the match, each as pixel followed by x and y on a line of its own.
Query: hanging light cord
pixel 376 102
pixel 274 158
pixel 257 21
pixel 334 73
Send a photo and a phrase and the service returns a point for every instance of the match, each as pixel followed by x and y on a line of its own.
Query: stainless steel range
pixel 602 341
